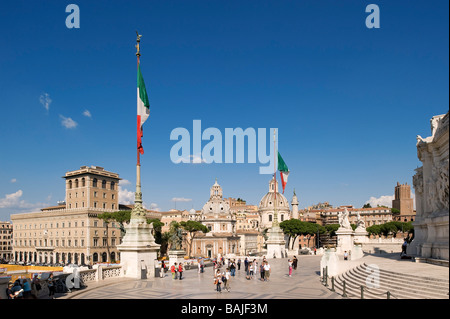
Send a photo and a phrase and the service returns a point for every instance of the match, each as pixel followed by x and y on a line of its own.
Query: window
pixel 83 182
pixel 112 185
pixel 95 194
pixel 104 195
pixel 270 218
pixel 76 183
pixel 70 184
pixel 94 182
pixel 103 184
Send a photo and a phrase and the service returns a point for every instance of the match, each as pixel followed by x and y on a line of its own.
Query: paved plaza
pixel 304 284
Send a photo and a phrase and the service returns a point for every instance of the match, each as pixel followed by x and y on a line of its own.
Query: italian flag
pixel 284 171
pixel 143 108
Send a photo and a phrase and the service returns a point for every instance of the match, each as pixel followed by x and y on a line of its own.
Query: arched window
pixel 70 184
pixel 270 218
pixel 94 182
pixel 112 185
pixel 83 182
pixel 76 183
pixel 103 184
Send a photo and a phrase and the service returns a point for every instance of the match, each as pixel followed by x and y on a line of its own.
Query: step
pixel 414 276
pixel 433 283
pixel 393 286
pixel 358 280
pixel 353 290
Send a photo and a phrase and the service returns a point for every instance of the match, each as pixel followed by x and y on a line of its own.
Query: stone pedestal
pixel 360 236
pixel 176 256
pixel 138 250
pixel 276 245
pixel 344 240
pixel 357 252
pixel 330 260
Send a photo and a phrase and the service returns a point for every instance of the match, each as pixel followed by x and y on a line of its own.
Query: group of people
pixel 29 289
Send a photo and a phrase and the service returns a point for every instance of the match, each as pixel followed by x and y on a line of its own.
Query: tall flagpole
pixel 275 215
pixel 138 211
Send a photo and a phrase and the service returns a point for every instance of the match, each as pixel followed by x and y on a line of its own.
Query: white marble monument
pixel 344 233
pixel 431 184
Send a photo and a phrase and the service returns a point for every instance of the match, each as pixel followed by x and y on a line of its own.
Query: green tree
pixel 192 228
pixel 331 229
pixel 395 211
pixel 367 206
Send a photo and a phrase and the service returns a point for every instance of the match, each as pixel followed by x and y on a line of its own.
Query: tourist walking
pixel 250 270
pixel 404 246
pixel 255 267
pixel 232 268
pixel 173 269
pixel 162 272
pixel 266 271
pixel 246 265
pixel 345 255
pixel 202 265
pixel 261 271
pixel 36 286
pixel 27 289
pixel 218 280
pixel 51 286
pixel 294 262
pixel 239 264
pixel 9 292
pixel 226 280
pixel 290 265
pixel 180 270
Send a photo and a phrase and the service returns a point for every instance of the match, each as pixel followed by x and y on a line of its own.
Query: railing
pixel 361 288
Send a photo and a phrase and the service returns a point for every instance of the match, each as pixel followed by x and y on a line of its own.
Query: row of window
pixel 104 205
pixel 113 196
pixel 63 225
pixel 76 183
pixel 63 242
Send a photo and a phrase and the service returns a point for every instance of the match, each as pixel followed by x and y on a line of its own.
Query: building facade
pixel 6 233
pixel 404 203
pixel 222 238
pixel 72 232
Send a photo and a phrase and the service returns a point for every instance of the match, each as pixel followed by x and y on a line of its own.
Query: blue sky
pixel 348 101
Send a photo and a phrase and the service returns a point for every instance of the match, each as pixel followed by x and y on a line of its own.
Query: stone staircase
pixel 400 285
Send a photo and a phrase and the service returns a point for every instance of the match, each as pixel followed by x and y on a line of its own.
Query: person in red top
pixel 173 269
pixel 180 269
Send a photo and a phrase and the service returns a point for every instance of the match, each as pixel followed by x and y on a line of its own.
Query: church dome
pixel 268 200
pixel 192 211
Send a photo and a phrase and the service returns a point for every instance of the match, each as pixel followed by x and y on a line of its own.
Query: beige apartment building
pixel 71 232
pixel 5 240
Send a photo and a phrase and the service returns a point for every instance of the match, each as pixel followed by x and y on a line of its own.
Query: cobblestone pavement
pixel 304 284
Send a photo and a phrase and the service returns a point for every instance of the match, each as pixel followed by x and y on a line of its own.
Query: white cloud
pixel 45 100
pixel 67 122
pixel 153 206
pixel 193 159
pixel 14 201
pixel 181 199
pixel 125 196
pixel 385 200
pixel 125 182
pixel 87 113
pixel 13 180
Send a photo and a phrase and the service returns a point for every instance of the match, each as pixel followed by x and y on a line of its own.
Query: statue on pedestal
pixel 343 220
pixel 360 223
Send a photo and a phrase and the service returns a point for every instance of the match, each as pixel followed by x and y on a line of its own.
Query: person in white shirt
pixel 266 271
pixel 226 283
